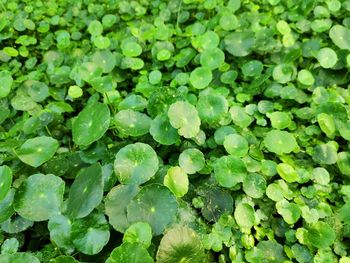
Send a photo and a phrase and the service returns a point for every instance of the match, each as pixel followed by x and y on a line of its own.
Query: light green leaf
pixel 122 254
pixel 181 244
pixel 320 235
pixel 177 181
pixel 280 142
pixel 6 81
pixel 191 160
pixel 201 77
pixel 327 57
pixel 239 44
pixel 236 145
pixel 184 117
pixel 229 171
pixel 340 36
pixel 136 163
pixel 116 203
pixel 132 123
pixel 38 150
pixel 244 215
pixel 140 233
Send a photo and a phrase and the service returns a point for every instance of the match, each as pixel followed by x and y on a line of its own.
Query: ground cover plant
pixel 174 131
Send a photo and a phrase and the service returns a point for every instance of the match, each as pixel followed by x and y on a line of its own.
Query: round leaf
pixel 131 253
pixel 155 205
pixel 236 145
pixel 6 81
pixel 39 197
pixel 239 44
pixel 19 257
pixel 86 192
pixel 136 163
pixel 5 180
pixel 244 215
pixel 132 123
pixel 212 58
pixel 91 123
pixel 320 235
pixel 162 131
pixel 212 107
pixel 184 117
pixel 180 244
pixel 191 160
pixel 201 77
pixel 38 150
pixel 60 230
pixel 229 171
pixel 177 181
pixel 254 185
pixel 280 142
pixel 90 234
pixel 327 57
pixel 289 211
pixel 139 232
pixel 116 203
pixel 340 36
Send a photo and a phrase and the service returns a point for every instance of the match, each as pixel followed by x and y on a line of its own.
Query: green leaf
pixel 6 208
pixel 155 205
pixel 39 197
pixel 212 107
pixel 212 59
pixel 95 28
pixel 343 162
pixel 18 257
pixel 244 215
pixel 38 150
pixel 177 181
pixel 201 77
pixel 324 154
pixel 91 123
pixel 229 171
pixel 86 192
pixel 305 77
pixel 236 145
pixel 327 57
pixel 132 123
pixel 254 185
pixel 162 131
pixel 287 172
pixel 64 259
pixel 289 211
pixel 191 160
pixel 320 235
pixel 340 36
pixel 139 233
pixel 136 163
pixel 239 44
pixel 6 81
pixel 181 244
pixel 280 142
pixel 184 117
pixel 284 73
pixel 5 181
pixel 131 48
pixel 116 203
pixel 267 252
pixel 60 230
pixel 90 234
pixel 122 254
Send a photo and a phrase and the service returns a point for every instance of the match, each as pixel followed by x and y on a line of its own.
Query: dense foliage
pixel 174 131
